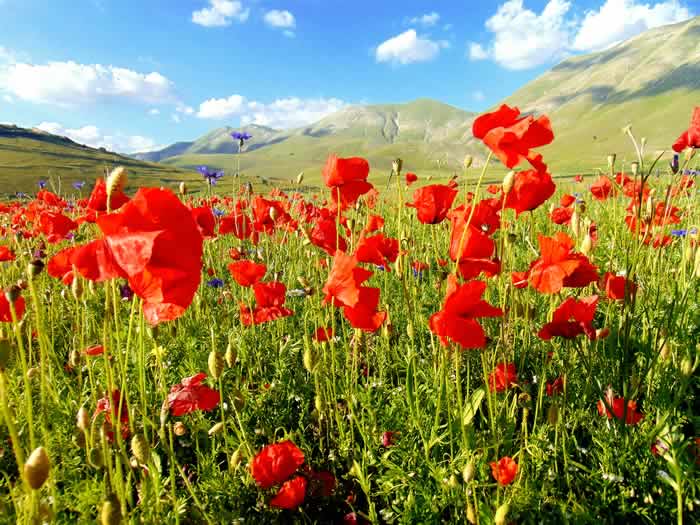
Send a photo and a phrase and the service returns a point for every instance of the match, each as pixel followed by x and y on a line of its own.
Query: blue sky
pixel 135 74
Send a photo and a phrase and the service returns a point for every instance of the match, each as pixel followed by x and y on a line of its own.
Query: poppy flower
pixel 457 321
pixel 291 494
pixel 323 334
pixel 239 225
pixel 374 223
pixel 411 178
pixel 388 438
pixel 572 318
pixel 617 404
pixel 617 287
pixel 94 350
pixel 493 189
pixel 275 463
pixel 504 470
pixel 98 198
pixel 55 226
pixel 323 483
pixel 154 242
pixel 6 254
pixel 433 202
pixel 247 273
pixel 561 215
pixel 364 315
pixel 269 298
pixel 204 217
pixel 110 407
pixel 50 198
pixel 567 200
pixel 192 395
pixel 5 311
pixel 511 138
pixel 554 387
pixel 602 188
pixel 558 266
pixel 530 189
pixel 324 234
pixel 503 377
pixel 378 249
pixel 578 178
pixel 691 137
pixel 347 179
pixel 519 279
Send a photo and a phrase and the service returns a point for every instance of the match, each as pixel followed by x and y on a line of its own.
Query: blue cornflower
pixel 78 185
pixel 381 268
pixel 42 184
pixel 215 283
pixel 210 176
pixel 21 195
pixel 417 274
pixel 218 213
pixel 683 233
pixel 237 135
pixel 125 292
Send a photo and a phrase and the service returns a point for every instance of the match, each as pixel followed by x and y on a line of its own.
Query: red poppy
pixel 347 179
pixel 578 178
pixel 6 254
pixel 561 215
pixel 5 311
pixel 519 279
pixel 555 387
pixel 433 202
pixel 98 198
pixel 205 220
pixel 617 287
pixel 55 226
pixel 530 189
pixel 322 483
pixel 494 189
pixel 617 404
pixel 291 494
pixel 602 188
pixel 324 234
pixel 235 254
pixel 50 198
pixel 389 438
pixel 558 266
pixel 457 320
pixel 378 249
pixel 691 137
pixel 419 266
pixel 110 407
pixel 567 200
pixel 269 298
pixel 374 223
pixel 154 242
pixel 411 178
pixel 511 138
pixel 94 350
pixel 191 395
pixel 503 377
pixel 343 285
pixel 572 318
pixel 323 334
pixel 364 315
pixel 504 470
pixel 239 224
pixel 247 273
pixel 275 463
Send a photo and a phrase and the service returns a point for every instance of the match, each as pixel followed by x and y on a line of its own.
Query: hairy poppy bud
pixel 468 472
pixel 468 161
pixel 429 177
pixel 82 420
pixel 635 168
pixel 35 267
pixel 508 182
pixel 471 516
pixel 318 404
pixel 230 355
pixel 116 180
pixel 140 448
pixel 95 458
pixel 502 514
pixel 32 372
pixel 110 511
pixel 183 189
pixel 309 360
pixel 409 330
pixel 235 459
pixel 587 244
pixel 36 469
pixel 216 429
pixel 611 161
pixel 687 367
pixel 665 351
pixel 216 364
pixel 76 288
pixel 575 223
pixel 396 165
pixel 300 178
pixel 553 414
pixel 274 214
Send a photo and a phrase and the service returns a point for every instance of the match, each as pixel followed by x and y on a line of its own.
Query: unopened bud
pixel 468 472
pixel 553 414
pixel 502 514
pixel 76 287
pixel 635 168
pixel 274 213
pixel 230 355
pixel 611 161
pixel 397 165
pixel 686 367
pixel 235 459
pixel 216 429
pixel 216 364
pixel 508 182
pixel 140 448
pixel 587 244
pixel 309 359
pixel 182 189
pixel 409 330
pixel 36 469
pixel 110 511
pixel 468 161
pixel 116 180
pixel 300 178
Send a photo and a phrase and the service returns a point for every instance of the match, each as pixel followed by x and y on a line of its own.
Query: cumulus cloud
pixel 69 83
pixel 524 39
pixel 282 113
pixel 408 48
pixel 94 137
pixel 618 20
pixel 428 19
pixel 280 19
pixel 221 13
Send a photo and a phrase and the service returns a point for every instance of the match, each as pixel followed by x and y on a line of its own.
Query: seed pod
pixel 216 429
pixel 216 364
pixel 140 448
pixel 110 512
pixel 502 514
pixel 508 182
pixel 230 355
pixel 468 472
pixel 36 469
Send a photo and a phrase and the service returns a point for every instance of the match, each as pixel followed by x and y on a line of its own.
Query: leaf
pixel 471 408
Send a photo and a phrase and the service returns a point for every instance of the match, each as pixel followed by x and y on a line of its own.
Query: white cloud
pixel 428 19
pixel 69 84
pixel 154 111
pixel 478 96
pixel 408 48
pixel 282 113
pixel 523 39
pixel 280 19
pixel 221 13
pixel 94 137
pixel 618 20
pixel 175 118
pixel 8 99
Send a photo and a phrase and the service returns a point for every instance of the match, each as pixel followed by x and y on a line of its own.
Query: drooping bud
pixel 96 458
pixel 468 472
pixel 587 244
pixel 110 511
pixel 182 188
pixel 235 459
pixel 553 414
pixel 687 367
pixel 230 355
pixel 140 448
pixel 82 420
pixel 76 288
pixel 575 223
pixel 309 360
pixel 502 514
pixel 216 429
pixel 468 161
pixel 508 182
pixel 216 364
pixel 36 469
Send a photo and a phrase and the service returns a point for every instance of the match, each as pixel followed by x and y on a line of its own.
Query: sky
pixel 137 75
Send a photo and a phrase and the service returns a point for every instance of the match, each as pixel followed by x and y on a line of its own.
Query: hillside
pixel 29 155
pixel 651 81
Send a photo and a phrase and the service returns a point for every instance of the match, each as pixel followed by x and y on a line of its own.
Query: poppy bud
pixel 635 168
pixel 468 472
pixel 36 469
pixel 116 180
pixel 471 516
pixel 300 178
pixel 429 177
pixel 230 355
pixel 602 333
pixel 665 351
pixel 643 143
pixel 79 439
pixel 687 367
pixel 689 154
pixel 183 189
pixel 12 293
pixel 309 360
pixel 453 482
pixel 110 511
pixel 95 458
pixel 32 372
pixel 611 161
pixel 274 214
pixel 396 165
pixel 216 429
pixel 318 404
pixel 140 448
pixel 553 414
pixel 74 358
pixel 575 223
pixel 409 329
pixel 76 288
pixel 35 267
pixel 468 161
pixel 82 420
pixel 216 364
pixel 587 244
pixel 248 187
pixel 179 428
pixel 502 514
pixel 508 182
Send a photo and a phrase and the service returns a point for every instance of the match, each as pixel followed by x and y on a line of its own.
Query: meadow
pixel 389 349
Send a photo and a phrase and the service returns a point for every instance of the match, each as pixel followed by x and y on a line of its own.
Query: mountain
pixel 28 155
pixel 651 81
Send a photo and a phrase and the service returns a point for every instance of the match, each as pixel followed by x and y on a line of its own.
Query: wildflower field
pixel 388 350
